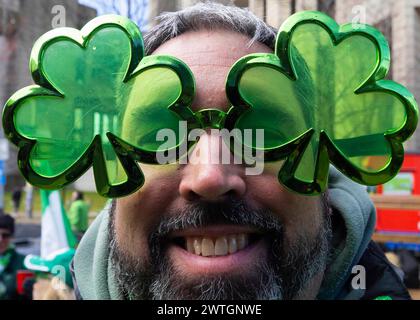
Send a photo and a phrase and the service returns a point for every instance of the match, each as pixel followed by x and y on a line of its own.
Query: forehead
pixel 210 54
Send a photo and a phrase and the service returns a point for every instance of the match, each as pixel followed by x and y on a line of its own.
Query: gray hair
pixel 209 16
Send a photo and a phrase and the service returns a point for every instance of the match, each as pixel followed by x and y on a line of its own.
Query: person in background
pixel 10 260
pixel 79 214
pixel 29 197
pixel 16 196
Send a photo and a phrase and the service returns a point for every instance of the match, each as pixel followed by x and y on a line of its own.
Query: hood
pixel 354 219
pixel 94 275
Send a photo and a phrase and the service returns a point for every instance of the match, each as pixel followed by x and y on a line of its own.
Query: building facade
pixel 21 23
pixel 398 20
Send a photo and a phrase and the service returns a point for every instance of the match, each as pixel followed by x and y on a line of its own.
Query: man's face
pixel 5 237
pixel 206 230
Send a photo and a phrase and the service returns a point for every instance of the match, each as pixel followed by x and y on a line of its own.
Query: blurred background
pixel 397 202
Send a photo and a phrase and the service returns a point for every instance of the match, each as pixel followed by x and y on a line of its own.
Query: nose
pixel 211 174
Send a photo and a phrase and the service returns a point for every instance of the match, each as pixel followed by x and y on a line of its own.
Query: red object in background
pixel 402 220
pixel 397 220
pixel 21 277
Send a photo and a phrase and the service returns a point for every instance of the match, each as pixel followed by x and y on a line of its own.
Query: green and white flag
pixel 57 240
pixel 56 233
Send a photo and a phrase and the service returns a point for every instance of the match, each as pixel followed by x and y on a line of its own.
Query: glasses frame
pixel 291 152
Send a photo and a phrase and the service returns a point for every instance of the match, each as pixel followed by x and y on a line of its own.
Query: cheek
pixel 137 214
pixel 4 244
pixel 301 215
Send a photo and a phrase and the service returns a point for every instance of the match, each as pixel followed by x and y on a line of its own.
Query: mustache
pixel 231 211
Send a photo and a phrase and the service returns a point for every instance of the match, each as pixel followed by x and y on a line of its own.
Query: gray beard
pixel 285 275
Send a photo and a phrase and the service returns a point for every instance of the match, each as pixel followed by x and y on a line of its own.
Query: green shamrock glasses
pixel 320 98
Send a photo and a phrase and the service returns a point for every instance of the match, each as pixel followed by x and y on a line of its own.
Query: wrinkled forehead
pixel 210 54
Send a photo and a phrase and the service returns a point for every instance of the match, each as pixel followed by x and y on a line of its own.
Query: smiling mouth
pixel 223 245
pixel 216 249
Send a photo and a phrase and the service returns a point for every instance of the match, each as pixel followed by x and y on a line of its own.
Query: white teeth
pixel 197 246
pixel 207 247
pixel 233 246
pixel 242 241
pixel 220 246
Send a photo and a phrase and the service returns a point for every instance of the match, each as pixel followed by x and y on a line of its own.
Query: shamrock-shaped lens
pixel 100 102
pixel 321 98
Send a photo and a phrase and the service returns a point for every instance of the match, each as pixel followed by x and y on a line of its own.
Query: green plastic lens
pixel 269 93
pixel 146 109
pixel 99 102
pixel 96 101
pixel 356 122
pixel 321 98
pixel 91 103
